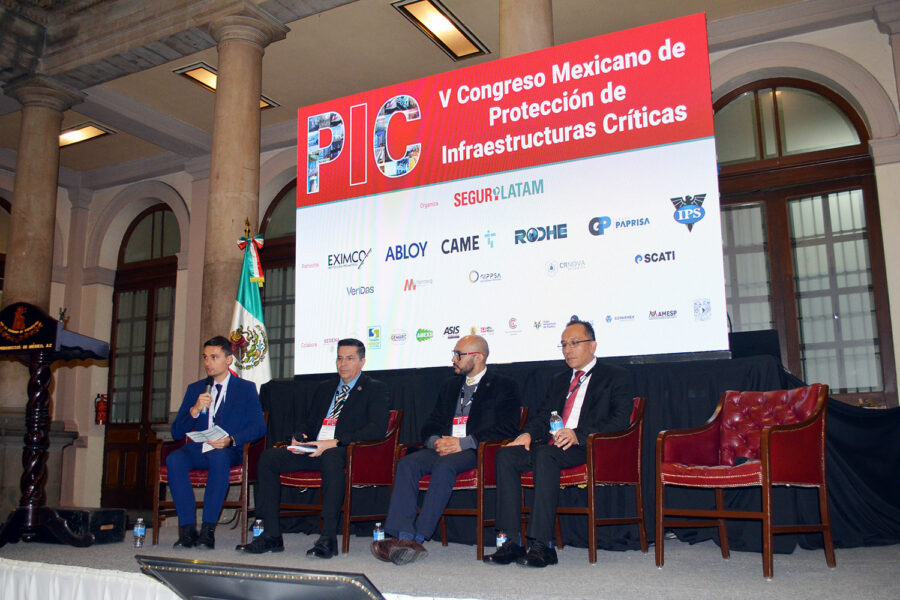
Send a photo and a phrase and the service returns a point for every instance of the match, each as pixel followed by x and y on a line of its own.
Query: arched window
pixel 4 238
pixel 802 234
pixel 141 355
pixel 279 228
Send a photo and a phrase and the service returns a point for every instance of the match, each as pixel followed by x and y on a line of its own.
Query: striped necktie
pixel 339 402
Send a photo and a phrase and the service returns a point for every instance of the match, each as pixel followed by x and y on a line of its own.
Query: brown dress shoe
pixel 382 548
pixel 407 551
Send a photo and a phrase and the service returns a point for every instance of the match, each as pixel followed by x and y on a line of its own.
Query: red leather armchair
pixel 482 477
pixel 612 459
pixel 368 464
pixel 243 474
pixel 781 434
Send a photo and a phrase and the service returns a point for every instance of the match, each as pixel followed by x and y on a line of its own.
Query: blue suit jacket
pixel 241 415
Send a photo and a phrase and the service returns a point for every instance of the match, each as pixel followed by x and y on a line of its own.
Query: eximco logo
pixel 348 259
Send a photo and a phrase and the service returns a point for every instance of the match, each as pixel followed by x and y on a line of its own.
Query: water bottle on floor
pixel 378 532
pixel 257 528
pixel 139 531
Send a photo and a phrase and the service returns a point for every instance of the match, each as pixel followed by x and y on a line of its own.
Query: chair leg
pixel 826 527
pixel 558 531
pixel 479 522
pixel 345 527
pixel 767 531
pixel 642 526
pixel 660 533
pixel 723 530
pixel 443 530
pixel 592 522
pixel 157 520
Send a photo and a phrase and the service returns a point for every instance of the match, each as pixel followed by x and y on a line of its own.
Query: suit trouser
pixel 546 461
pixel 404 497
pixel 275 461
pixel 217 463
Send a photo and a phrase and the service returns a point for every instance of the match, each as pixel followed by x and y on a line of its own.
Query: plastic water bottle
pixel 257 528
pixel 556 422
pixel 139 531
pixel 378 532
pixel 501 538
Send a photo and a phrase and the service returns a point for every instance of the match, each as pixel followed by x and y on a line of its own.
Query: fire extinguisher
pixel 100 409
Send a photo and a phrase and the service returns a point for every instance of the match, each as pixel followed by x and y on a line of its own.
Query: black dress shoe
pixel 207 537
pixel 263 544
pixel 325 547
pixel 539 555
pixel 187 537
pixel 508 553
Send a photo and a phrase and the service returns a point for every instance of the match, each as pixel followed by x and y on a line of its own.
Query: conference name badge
pixel 327 430
pixel 459 426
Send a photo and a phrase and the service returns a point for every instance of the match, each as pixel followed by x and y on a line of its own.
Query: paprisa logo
pixel 374 336
pixel 654 257
pixel 451 332
pixel 405 251
pixel 539 234
pixel 689 209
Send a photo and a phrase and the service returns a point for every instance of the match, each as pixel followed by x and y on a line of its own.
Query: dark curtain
pixel 863 447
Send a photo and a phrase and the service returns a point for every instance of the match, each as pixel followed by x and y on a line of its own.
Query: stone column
pixel 525 26
pixel 234 168
pixel 29 258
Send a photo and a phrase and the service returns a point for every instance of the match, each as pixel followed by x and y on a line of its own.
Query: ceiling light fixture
pixel 82 133
pixel 204 75
pixel 442 26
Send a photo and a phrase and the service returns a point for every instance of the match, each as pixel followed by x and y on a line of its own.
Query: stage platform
pixel 35 571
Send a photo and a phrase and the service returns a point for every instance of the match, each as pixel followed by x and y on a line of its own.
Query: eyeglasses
pixel 571 344
pixel 459 355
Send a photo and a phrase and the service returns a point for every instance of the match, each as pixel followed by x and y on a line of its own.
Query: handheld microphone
pixel 209 384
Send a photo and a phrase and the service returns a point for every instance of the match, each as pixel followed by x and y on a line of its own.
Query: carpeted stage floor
pixel 694 572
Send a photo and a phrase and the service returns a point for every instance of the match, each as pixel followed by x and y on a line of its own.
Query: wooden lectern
pixel 39 340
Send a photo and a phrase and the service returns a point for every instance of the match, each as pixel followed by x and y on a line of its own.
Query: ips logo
pixel 689 209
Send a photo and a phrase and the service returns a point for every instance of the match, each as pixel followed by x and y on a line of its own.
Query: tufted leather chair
pixel 612 459
pixel 368 464
pixel 482 477
pixel 243 474
pixel 755 439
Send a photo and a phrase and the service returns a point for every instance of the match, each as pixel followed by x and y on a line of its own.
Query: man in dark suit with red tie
pixel 590 397
pixel 474 405
pixel 347 409
pixel 224 401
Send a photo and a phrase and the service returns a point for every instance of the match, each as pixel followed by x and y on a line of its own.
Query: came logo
pixel 405 251
pixel 489 236
pixel 689 209
pixel 424 334
pixel 539 234
pixel 652 257
pixel 463 244
pixel 355 258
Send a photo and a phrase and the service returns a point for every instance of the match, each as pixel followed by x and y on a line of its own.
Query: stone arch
pixel 276 172
pixel 109 230
pixel 814 63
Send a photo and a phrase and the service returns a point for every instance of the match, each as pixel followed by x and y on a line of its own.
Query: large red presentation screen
pixel 504 198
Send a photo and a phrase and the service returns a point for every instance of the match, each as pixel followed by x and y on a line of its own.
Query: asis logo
pixel 689 209
pixel 374 336
pixel 451 332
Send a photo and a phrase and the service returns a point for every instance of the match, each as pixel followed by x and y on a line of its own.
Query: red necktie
pixel 570 400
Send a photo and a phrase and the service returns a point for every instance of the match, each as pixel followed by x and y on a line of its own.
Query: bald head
pixel 470 354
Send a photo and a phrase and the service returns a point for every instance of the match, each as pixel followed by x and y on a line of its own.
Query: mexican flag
pixel 248 338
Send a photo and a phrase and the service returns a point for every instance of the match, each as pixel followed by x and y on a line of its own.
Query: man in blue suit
pixel 221 400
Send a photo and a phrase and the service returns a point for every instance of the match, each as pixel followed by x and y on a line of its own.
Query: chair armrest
pixel 616 455
pixel 694 446
pixel 487 454
pixel 252 452
pixel 372 462
pixel 163 449
pixel 796 451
